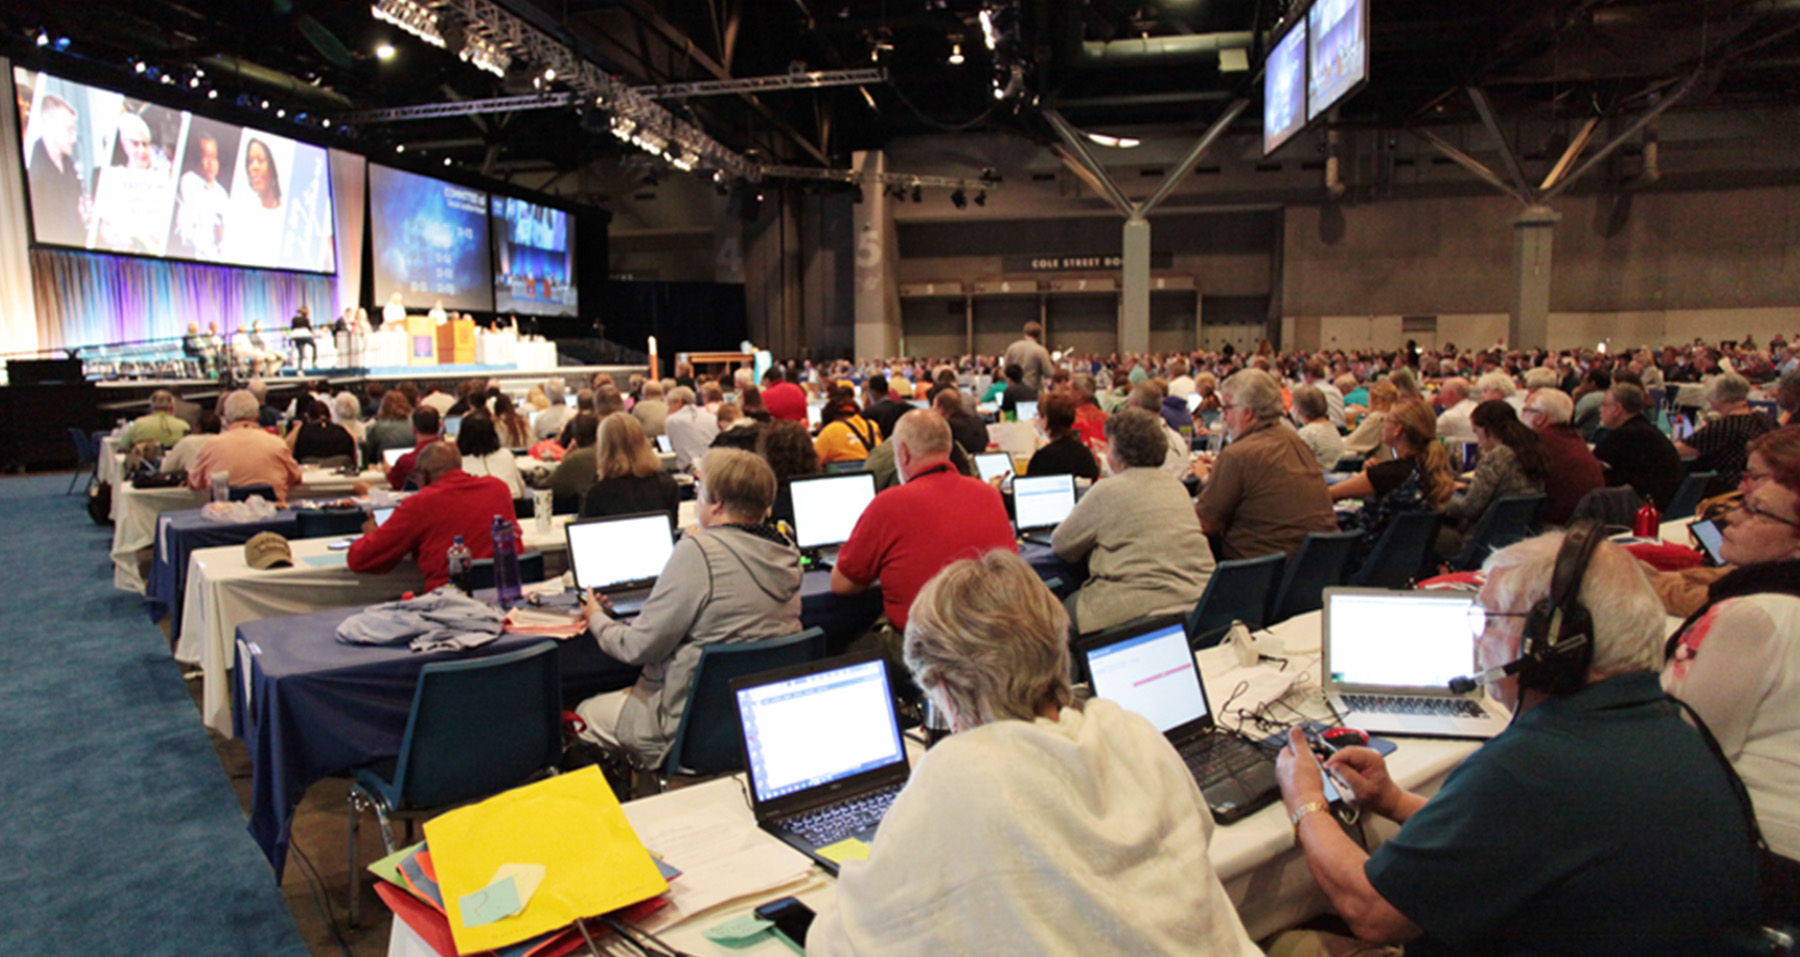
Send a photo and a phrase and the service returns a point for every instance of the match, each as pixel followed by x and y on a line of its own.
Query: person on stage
pixel 300 333
pixel 437 313
pixel 394 313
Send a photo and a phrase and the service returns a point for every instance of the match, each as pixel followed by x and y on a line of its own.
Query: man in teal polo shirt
pixel 1599 823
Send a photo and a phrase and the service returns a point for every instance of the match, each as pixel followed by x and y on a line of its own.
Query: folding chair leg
pixel 355 908
pixel 76 477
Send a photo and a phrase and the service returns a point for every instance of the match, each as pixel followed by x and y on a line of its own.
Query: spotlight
pixel 959 200
pixel 265 104
pixel 194 83
pixel 549 75
pixel 140 66
pixel 918 197
pixel 212 94
pixel 43 39
pixel 956 57
pixel 280 114
pixel 199 72
pixel 385 51
pixel 326 122
pixel 399 147
pixel 61 44
pixel 446 161
pixel 981 198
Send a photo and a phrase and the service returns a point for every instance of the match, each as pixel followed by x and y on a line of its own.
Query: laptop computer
pixel 382 514
pixel 823 750
pixel 391 456
pixel 993 465
pixel 1026 411
pixel 1388 658
pixel 1146 666
pixel 663 444
pixel 826 508
pixel 620 556
pixel 452 425
pixel 1040 503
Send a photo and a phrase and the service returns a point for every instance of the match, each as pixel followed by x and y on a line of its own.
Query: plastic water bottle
pixel 459 558
pixel 507 586
pixel 221 486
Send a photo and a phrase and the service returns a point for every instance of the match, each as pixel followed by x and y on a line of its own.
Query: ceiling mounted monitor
pixel 1284 89
pixel 1337 51
pixel 534 258
pixel 431 241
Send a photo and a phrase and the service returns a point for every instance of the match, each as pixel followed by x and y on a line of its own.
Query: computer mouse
pixel 1340 738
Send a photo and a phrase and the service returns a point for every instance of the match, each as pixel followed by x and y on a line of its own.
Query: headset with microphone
pixel 1558 640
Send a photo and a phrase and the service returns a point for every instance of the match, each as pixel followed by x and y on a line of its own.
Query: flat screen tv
pixel 534 258
pixel 431 241
pixel 1284 89
pixel 1337 52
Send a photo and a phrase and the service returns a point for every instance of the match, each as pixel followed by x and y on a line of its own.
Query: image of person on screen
pixel 200 218
pixel 59 205
pixel 254 235
pixel 265 179
pixel 137 147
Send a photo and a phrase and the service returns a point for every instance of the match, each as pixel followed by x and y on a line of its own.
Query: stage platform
pixel 128 394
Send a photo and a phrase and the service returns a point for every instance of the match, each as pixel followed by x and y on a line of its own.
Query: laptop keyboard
pixel 1216 758
pixel 1424 707
pixel 829 825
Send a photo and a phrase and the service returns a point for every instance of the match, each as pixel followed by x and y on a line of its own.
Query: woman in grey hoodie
pixel 736 579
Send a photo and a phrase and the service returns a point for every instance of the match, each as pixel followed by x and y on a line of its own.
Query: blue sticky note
pixel 327 560
pixel 493 902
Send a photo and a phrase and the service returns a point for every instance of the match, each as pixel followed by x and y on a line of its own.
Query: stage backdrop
pixel 91 298
pixel 18 326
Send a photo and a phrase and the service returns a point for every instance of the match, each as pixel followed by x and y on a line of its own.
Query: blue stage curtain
pixel 90 298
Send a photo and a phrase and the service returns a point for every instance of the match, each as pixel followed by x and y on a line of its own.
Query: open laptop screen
pixel 993 465
pixel 1151 674
pixel 815 729
pixel 1043 501
pixel 452 425
pixel 605 552
pixel 392 456
pixel 382 514
pixel 826 508
pixel 1026 411
pixel 1398 639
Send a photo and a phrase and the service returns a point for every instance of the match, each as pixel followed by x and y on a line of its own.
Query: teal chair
pixel 531 569
pixel 1687 497
pixel 323 522
pixel 477 727
pixel 1508 519
pixel 707 740
pixel 1402 554
pixel 1238 590
pixel 1320 564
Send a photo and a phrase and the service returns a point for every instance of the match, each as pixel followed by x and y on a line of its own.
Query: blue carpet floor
pixel 119 831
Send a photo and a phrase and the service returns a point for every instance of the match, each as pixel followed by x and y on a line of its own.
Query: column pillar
pixel 1529 323
pixel 1134 288
pixel 877 251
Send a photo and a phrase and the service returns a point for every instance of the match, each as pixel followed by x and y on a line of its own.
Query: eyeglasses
pixel 1480 618
pixel 1749 508
pixel 1528 410
pixel 1755 478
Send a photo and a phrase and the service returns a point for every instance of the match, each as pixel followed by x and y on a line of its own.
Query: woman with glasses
pixel 1737 660
pixel 1685 590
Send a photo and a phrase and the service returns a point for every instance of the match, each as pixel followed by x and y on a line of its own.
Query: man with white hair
pixel 650 410
pixel 689 426
pixel 160 426
pixel 1453 422
pixel 1498 385
pixel 1264 493
pixel 1599 822
pixel 1574 471
pixel 251 455
pixel 550 422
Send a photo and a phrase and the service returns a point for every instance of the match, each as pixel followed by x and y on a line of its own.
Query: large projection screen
pixel 431 241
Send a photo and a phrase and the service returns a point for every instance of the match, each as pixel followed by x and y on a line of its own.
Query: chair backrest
pixel 531 569
pixel 318 523
pixel 1400 554
pixel 1688 496
pixel 480 726
pixel 1320 564
pixel 241 493
pixel 86 449
pixel 1508 519
pixel 706 741
pixel 526 507
pixel 1614 505
pixel 1237 591
pixel 1349 463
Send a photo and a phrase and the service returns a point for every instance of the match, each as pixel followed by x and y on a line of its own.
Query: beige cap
pixel 267 550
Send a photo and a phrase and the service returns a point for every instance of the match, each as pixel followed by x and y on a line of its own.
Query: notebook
pixel 992 465
pixel 1146 666
pixel 1040 503
pixel 823 750
pixel 826 508
pixel 620 556
pixel 1388 658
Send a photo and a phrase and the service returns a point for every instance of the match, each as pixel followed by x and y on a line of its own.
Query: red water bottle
pixel 1648 522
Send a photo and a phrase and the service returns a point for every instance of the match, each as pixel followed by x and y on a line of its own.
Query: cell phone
pixel 1711 538
pixel 790 917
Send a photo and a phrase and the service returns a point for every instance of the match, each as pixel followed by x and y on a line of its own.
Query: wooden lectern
pixel 456 342
pixel 421 341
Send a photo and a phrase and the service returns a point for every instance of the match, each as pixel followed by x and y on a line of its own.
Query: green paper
pixel 494 902
pixel 741 932
pixel 388 868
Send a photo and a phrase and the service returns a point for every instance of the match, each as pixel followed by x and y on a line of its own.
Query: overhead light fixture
pixel 868 98
pixel 956 57
pixel 194 83
pixel 265 104
pixel 384 52
pixel 1116 142
pixel 988 34
pixel 399 147
pixel 140 66
pixel 446 161
pixel 199 72
pixel 212 94
pixel 280 114
pixel 326 122
pixel 549 74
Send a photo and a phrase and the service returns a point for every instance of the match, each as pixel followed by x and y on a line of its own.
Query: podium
pixel 422 341
pixel 456 342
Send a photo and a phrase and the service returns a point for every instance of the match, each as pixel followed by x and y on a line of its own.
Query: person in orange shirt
pixel 845 435
pixel 251 455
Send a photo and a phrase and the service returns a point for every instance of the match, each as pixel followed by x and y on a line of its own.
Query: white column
pixel 1134 312
pixel 877 296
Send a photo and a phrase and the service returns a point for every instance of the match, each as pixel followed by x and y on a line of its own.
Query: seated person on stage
pixel 251 455
pixel 450 502
pixel 1042 825
pixel 160 426
pixel 1263 493
pixel 1598 823
pixel 182 456
pixel 935 516
pixel 1137 532
pixel 736 579
pixel 483 454
pixel 425 428
pixel 575 474
pixel 629 478
pixel 1634 451
pixel 317 438
pixel 1064 454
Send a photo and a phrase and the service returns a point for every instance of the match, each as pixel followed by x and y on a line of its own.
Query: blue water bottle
pixel 508 589
pixel 458 557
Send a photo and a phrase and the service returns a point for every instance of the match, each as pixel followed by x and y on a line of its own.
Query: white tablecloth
pixel 110 460
pixel 496 348
pixel 385 349
pixel 535 355
pixel 1256 858
pixel 223 592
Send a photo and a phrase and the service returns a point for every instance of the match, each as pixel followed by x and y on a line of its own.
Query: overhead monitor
pixel 1337 51
pixel 534 258
pixel 117 174
pixel 1284 89
pixel 431 241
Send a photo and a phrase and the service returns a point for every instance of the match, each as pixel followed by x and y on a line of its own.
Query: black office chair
pixel 1320 564
pixel 1403 554
pixel 324 522
pixel 1237 591
pixel 1508 519
pixel 241 493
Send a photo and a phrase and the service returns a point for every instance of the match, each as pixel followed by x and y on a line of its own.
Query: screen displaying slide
pixel 534 259
pixel 1338 51
pixel 113 173
pixel 431 241
pixel 1284 89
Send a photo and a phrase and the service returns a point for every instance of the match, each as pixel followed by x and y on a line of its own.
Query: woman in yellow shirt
pixel 845 435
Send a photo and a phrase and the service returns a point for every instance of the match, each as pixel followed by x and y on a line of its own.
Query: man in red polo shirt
pixel 425 425
pixel 935 516
pixel 450 502
pixel 784 399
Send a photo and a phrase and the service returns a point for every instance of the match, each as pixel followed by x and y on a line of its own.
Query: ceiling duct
pixel 1140 52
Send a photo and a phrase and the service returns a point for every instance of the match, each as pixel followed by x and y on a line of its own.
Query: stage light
pixel 265 104
pixel 549 75
pixel 194 83
pixel 140 66
pixel 326 122
pixel 385 51
pixel 1116 142
pixel 280 114
pixel 61 44
pixel 199 72
pixel 956 57
pixel 399 147
pixel 43 39
pixel 212 94
pixel 959 199
pixel 446 161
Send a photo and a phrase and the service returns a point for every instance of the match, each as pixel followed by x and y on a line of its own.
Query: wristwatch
pixel 1303 810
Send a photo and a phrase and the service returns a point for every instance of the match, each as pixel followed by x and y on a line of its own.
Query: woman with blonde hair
pixel 1366 439
pixel 1417 479
pixel 1041 824
pixel 629 477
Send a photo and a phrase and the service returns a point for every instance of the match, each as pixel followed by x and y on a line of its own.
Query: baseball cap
pixel 267 550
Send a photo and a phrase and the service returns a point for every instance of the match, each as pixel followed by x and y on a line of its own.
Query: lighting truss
pixel 431 111
pixel 757 84
pixel 423 19
pixel 884 179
